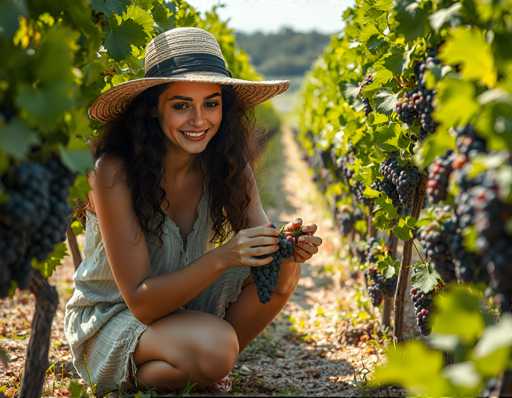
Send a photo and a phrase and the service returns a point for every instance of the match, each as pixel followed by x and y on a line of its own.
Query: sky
pixel 270 15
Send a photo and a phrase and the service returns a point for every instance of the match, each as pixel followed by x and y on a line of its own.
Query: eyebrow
pixel 180 97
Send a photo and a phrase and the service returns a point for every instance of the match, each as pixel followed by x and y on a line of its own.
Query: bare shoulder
pixel 109 171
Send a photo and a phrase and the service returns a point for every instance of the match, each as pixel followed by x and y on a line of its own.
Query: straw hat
pixel 183 54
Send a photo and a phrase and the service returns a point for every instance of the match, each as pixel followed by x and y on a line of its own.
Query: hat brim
pixel 114 101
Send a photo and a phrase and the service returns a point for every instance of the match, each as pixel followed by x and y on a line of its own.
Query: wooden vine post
pixel 403 275
pixel 388 301
pixel 73 247
pixel 36 363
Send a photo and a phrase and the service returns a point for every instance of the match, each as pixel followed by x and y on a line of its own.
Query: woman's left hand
pixel 306 245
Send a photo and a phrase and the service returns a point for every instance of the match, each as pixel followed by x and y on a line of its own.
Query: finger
pixel 309 229
pixel 260 251
pixel 308 247
pixel 300 255
pixel 262 241
pixel 262 230
pixel 313 240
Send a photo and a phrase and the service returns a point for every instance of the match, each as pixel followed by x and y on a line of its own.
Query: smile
pixel 194 135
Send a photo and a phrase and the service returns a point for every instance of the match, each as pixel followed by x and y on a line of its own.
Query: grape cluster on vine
pixel 345 173
pixel 435 239
pixel 423 307
pixel 439 176
pixel 405 179
pixel 33 219
pixel 379 286
pixel 267 276
pixel 416 105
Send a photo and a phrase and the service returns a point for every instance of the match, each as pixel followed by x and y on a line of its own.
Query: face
pixel 190 114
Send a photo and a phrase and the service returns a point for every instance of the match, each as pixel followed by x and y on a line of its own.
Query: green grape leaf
pixel 395 60
pixel 469 48
pixel 80 188
pixel 77 160
pixel 10 11
pixel 412 19
pixel 58 43
pixel 403 230
pixel 455 102
pixel 109 7
pixel 48 266
pixel 16 138
pixel 381 76
pixel 424 277
pixel 458 312
pixel 120 38
pixel 45 105
pixel 492 351
pixel 141 17
pixel 414 367
pixel 439 18
pixel 434 145
pixel 386 101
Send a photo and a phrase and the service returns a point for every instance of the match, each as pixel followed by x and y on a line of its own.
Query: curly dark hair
pixel 137 138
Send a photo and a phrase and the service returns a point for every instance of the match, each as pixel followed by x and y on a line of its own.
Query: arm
pixel 127 251
pixel 289 273
pixel 248 315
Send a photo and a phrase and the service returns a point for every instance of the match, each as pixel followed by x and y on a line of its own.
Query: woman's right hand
pixel 248 243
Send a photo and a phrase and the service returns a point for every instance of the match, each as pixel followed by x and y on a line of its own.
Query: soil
pixel 326 341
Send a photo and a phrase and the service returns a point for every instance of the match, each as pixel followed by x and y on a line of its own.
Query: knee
pixel 218 353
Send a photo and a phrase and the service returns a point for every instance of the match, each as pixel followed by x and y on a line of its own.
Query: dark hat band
pixel 180 64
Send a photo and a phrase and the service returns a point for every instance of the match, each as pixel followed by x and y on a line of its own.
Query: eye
pixel 212 104
pixel 180 106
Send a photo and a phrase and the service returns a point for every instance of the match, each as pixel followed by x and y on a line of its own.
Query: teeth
pixel 194 134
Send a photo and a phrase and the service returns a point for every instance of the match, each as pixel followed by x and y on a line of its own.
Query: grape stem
pixel 418 251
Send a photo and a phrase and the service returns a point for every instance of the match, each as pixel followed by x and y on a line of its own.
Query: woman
pixel 164 295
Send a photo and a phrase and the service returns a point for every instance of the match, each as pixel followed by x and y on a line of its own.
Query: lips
pixel 194 135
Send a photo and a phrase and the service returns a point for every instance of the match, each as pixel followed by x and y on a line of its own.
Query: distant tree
pixel 291 53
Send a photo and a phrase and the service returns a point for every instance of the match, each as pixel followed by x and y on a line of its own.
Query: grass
pixel 269 171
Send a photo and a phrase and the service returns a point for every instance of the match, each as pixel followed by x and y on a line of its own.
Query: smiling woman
pixel 164 294
pixel 192 111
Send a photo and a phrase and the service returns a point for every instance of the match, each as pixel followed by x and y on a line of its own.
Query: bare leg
pixel 161 376
pixel 185 346
pixel 249 317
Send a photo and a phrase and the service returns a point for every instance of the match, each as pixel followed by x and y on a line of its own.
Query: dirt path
pixel 324 342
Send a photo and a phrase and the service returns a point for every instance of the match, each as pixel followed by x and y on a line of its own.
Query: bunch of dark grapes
pixel 423 307
pixel 417 104
pixel 438 177
pixel 468 142
pixel 435 240
pixel 266 276
pixel 468 265
pixel 33 219
pixel 53 229
pixel 345 174
pixel 494 242
pixel 346 218
pixel 405 109
pixel 387 187
pixel 380 286
pixel 405 179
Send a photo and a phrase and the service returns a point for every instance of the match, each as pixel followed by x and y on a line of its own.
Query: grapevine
pixel 428 109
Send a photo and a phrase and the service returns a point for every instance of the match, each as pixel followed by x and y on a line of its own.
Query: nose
pixel 198 119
